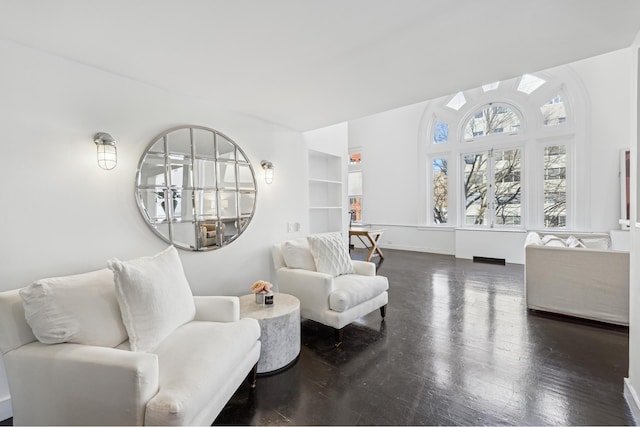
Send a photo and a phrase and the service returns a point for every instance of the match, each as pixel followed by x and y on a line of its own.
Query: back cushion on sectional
pixel 533 239
pixel 573 242
pixel 155 297
pixel 553 241
pixel 596 242
pixel 80 309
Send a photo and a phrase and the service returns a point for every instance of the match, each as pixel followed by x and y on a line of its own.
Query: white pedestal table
pixel 280 330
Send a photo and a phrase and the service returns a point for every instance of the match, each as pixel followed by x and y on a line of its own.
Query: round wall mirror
pixel 196 188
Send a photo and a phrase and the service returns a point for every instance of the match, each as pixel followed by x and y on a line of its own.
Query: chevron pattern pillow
pixel 330 254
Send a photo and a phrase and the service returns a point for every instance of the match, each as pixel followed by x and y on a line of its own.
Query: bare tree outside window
pixel 506 165
pixel 507 187
pixel 554 112
pixel 486 144
pixel 475 188
pixel 440 191
pixel 492 119
pixel 441 132
pixel 555 186
pixel 506 183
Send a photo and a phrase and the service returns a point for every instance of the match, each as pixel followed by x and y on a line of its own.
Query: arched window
pixel 504 155
pixel 491 119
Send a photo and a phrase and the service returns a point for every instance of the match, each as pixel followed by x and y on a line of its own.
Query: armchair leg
pixel 338 334
pixel 383 311
pixel 251 378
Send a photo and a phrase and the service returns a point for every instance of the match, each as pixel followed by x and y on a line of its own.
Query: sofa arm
pixel 310 287
pixel 364 268
pixel 217 308
pixel 73 384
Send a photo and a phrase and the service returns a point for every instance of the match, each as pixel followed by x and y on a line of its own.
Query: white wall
pixel 606 79
pixel 61 214
pixel 391 180
pixel 5 401
pixel 331 139
pixel 389 164
pixel 632 383
pixel 393 187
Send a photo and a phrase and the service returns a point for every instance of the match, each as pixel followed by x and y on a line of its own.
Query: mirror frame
pixel 218 221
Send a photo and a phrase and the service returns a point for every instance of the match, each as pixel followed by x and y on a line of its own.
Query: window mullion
pixel 491 184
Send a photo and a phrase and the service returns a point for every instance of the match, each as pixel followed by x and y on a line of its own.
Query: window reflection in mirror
pixel 196 188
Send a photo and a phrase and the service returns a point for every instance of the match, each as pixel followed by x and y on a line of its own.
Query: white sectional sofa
pixel 589 280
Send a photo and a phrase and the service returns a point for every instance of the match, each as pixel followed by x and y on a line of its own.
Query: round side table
pixel 280 330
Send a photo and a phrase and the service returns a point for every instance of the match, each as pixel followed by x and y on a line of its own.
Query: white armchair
pixel 332 301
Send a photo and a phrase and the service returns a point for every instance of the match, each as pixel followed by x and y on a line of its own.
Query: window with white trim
pixel 440 190
pixel 500 156
pixel 354 185
pixel 492 187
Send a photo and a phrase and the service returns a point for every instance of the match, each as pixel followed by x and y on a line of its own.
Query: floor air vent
pixel 498 261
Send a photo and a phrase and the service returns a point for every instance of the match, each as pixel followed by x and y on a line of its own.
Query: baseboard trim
pixel 632 400
pixel 5 408
pixel 438 251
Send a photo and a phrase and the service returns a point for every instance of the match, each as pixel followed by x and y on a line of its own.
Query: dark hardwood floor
pixel 458 347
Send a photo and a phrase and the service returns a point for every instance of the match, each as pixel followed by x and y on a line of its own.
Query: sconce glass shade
pixel 107 152
pixel 268 171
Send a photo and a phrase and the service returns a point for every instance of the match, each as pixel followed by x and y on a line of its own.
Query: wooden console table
pixel 372 235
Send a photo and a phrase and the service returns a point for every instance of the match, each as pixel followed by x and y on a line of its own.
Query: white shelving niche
pixel 326 211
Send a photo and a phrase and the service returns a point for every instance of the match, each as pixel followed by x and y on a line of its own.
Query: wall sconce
pixel 268 171
pixel 107 153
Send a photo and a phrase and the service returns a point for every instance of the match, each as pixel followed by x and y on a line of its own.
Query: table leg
pixel 378 250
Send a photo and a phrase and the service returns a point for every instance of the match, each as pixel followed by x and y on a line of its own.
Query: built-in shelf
pixel 326 211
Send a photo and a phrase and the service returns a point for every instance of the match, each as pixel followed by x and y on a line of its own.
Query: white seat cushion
pixel 195 361
pixel 350 290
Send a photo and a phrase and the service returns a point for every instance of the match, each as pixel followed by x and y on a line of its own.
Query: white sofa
pixel 332 298
pixel 184 380
pixel 590 281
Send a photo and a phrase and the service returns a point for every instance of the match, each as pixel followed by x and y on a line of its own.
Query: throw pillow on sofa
pixel 154 297
pixel 574 242
pixel 553 241
pixel 80 309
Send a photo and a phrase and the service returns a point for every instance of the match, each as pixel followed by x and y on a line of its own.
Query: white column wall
pixel 391 180
pixel 61 214
pixel 606 80
pixel 5 398
pixel 632 382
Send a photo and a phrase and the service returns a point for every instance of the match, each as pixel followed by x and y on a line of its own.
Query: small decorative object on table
pixel 263 292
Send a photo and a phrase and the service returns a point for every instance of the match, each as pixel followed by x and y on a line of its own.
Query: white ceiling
pixel 306 64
